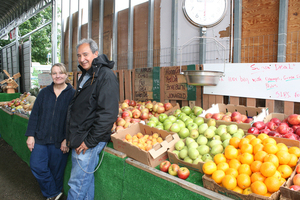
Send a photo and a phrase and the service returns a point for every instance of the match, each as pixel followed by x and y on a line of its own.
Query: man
pixel 92 112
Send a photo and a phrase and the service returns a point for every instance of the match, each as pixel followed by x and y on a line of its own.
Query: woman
pixel 46 133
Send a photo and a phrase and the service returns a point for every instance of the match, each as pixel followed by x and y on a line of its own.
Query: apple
pixel 189 140
pixel 133 120
pixel 172 118
pixel 126 113
pixel 183 173
pixel 189 121
pixel 298 169
pixel 265 130
pixel 271 125
pixel 202 128
pixel 201 140
pixel 192 126
pixel 180 115
pixel 144 115
pixel 136 114
pixel 217 116
pixel 179 145
pixel 162 117
pixel 294 119
pixel 175 128
pixel 259 124
pixel 164 166
pixel 232 128
pixel 226 118
pixel 194 134
pixel 155 106
pixel 198 120
pixel 149 105
pixel 177 112
pixel 253 130
pixel 295 187
pixel 119 128
pixel 236 116
pixel 211 122
pixel 184 132
pixel 274 134
pixel 248 120
pixel 121 122
pixel 124 105
pixel 208 115
pixel 132 103
pixel 275 120
pixel 180 123
pixel 155 119
pixel 283 128
pixel 168 106
pixel 244 118
pixel 203 149
pixel 197 110
pixel 291 136
pixel 296 179
pixel 160 109
pixel 151 123
pixel 126 101
pixel 186 109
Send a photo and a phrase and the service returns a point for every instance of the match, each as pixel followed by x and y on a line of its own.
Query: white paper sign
pixel 277 81
pixel 44 79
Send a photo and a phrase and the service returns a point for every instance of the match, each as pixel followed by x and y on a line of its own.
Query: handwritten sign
pixel 277 81
pixel 44 79
pixel 143 84
pixel 156 84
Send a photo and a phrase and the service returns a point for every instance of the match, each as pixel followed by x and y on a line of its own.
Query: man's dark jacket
pixel 95 106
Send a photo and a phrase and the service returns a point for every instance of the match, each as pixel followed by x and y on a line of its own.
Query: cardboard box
pixel 151 158
pixel 286 192
pixel 280 116
pixel 210 184
pixel 258 114
pixel 172 110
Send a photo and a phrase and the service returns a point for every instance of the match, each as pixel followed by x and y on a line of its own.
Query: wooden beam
pixel 288 107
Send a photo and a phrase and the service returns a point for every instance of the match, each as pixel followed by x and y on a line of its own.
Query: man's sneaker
pixel 56 197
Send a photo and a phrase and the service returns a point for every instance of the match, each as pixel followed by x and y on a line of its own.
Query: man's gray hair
pixel 92 43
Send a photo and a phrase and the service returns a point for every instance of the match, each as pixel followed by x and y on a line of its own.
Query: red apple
pixel 294 119
pixel 294 127
pixel 265 130
pixel 164 166
pixel 236 116
pixel 208 115
pixel 173 169
pixel 136 114
pixel 133 120
pixel 291 136
pixel 298 169
pixel 248 120
pixel 132 103
pixel 283 128
pixel 145 110
pixel 226 118
pixel 149 106
pixel 295 187
pixel 271 125
pixel 126 113
pixel 126 101
pixel 183 173
pixel 127 119
pixel 297 131
pixel 144 115
pixel 244 118
pixel 217 116
pixel 160 109
pixel 253 130
pixel 275 120
pixel 124 105
pixel 168 106
pixel 296 179
pixel 259 124
pixel 274 134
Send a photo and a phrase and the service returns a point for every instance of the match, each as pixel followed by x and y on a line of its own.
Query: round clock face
pixel 205 13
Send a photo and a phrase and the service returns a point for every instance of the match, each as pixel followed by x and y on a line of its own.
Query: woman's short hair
pixel 61 66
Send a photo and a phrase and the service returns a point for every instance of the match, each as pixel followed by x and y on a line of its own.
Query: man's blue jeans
pixel 82 176
pixel 47 164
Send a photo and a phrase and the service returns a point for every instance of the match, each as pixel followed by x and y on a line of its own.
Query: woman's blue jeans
pixel 82 176
pixel 47 164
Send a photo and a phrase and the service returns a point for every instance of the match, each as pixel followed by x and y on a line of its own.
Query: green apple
pixel 194 134
pixel 197 110
pixel 186 109
pixel 203 149
pixel 193 153
pixel 183 133
pixel 151 123
pixel 209 133
pixel 201 140
pixel 192 115
pixel 202 128
pixel 180 123
pixel 167 121
pixel 188 160
pixel 167 126
pixel 213 128
pixel 179 145
pixel 189 140
pixel 183 153
pixel 192 145
pixel 188 121
pixel 232 128
pixel 199 120
pixel 172 118
pixel 155 119
pixel 160 127
pixel 174 128
pixel 180 115
pixel 177 112
pixel 206 157
pixel 184 118
pixel 162 117
pixel 192 126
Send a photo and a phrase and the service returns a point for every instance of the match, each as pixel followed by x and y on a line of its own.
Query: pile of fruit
pixel 296 180
pixel 253 164
pixel 229 117
pixel 22 105
pixel 287 128
pixel 174 169
pixel 144 142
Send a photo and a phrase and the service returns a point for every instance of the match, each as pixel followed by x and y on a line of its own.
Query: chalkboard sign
pixel 156 84
pixel 174 88
pixel 277 81
pixel 143 84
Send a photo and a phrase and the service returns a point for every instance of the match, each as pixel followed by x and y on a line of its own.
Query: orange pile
pixel 254 165
pixel 144 142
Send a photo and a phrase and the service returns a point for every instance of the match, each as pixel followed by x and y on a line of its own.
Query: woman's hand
pixel 63 147
pixel 30 142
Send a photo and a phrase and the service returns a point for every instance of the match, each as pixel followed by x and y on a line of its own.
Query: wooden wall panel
pixel 122 39
pixel 156 34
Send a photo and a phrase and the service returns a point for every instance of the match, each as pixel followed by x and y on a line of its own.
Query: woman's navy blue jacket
pixel 47 121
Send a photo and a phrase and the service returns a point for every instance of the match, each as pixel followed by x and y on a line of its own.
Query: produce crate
pixel 286 192
pixel 172 110
pixel 152 157
pixel 280 116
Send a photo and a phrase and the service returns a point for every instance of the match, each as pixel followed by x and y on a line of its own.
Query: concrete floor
pixel 16 179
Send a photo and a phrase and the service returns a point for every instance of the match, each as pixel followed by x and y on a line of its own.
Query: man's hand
pixel 30 142
pixel 63 146
pixel 81 148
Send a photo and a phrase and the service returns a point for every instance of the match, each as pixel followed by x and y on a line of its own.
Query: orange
pixel 231 152
pixel 284 157
pixel 259 187
pixel 257 148
pixel 270 148
pixel 269 140
pixel 234 163
pixel 246 158
pixel 219 158
pixel 229 182
pixel 243 141
pixel 218 175
pixel 238 189
pixel 260 156
pixel 268 169
pixel 247 191
pixel 257 176
pixel 245 169
pixel 232 171
pixel 243 181
pixel 222 166
pixel 250 137
pixel 273 184
pixel 285 171
pixel 209 167
pixel 295 150
pixel 268 194
pixel 272 158
pixel 262 136
pixel 282 146
pixel 234 141
pixel 247 148
pixel 255 141
pixel 282 180
pixel 293 160
pixel 255 166
pixel 277 175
